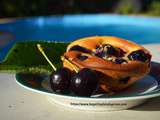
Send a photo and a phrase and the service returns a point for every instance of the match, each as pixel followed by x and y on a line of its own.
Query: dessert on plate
pixel 99 65
pixel 117 62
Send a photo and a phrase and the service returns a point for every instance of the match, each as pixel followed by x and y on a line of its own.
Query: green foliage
pixel 23 8
pixel 125 9
pixel 25 57
pixel 128 7
pixel 154 8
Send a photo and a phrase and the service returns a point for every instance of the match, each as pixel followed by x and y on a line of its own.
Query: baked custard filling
pixel 112 54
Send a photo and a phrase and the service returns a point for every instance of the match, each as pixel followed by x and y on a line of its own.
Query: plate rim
pixel 117 98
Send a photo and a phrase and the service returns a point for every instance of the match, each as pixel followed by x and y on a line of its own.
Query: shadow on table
pixel 154 103
pixel 150 105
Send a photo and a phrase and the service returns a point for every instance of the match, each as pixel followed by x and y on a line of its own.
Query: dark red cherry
pixel 84 82
pixel 82 57
pixel 60 80
pixel 138 55
pixel 120 61
pixel 110 50
pixel 105 50
pixel 80 49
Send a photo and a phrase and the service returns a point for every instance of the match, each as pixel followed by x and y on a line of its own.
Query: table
pixel 18 103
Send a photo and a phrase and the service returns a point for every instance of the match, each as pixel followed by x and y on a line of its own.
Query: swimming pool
pixel 142 30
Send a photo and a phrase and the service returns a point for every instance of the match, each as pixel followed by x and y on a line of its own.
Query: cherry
pixel 106 50
pixel 60 80
pixel 110 50
pixel 120 61
pixel 79 48
pixel 82 57
pixel 138 55
pixel 84 82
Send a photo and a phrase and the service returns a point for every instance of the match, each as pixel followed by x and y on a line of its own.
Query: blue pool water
pixel 142 30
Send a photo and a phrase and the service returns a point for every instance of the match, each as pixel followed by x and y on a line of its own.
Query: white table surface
pixel 17 103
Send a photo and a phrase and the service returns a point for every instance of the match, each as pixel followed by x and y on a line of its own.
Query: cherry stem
pixel 76 69
pixel 45 56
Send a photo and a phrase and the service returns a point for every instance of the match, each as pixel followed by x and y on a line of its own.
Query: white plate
pixel 146 88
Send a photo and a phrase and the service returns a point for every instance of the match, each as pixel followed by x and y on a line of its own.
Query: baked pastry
pixel 118 62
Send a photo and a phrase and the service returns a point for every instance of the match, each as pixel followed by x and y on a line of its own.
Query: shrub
pixel 154 8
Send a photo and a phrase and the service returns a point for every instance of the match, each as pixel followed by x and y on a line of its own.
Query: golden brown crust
pixel 113 73
pixel 92 42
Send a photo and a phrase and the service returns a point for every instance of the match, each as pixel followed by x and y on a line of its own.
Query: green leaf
pixel 25 57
